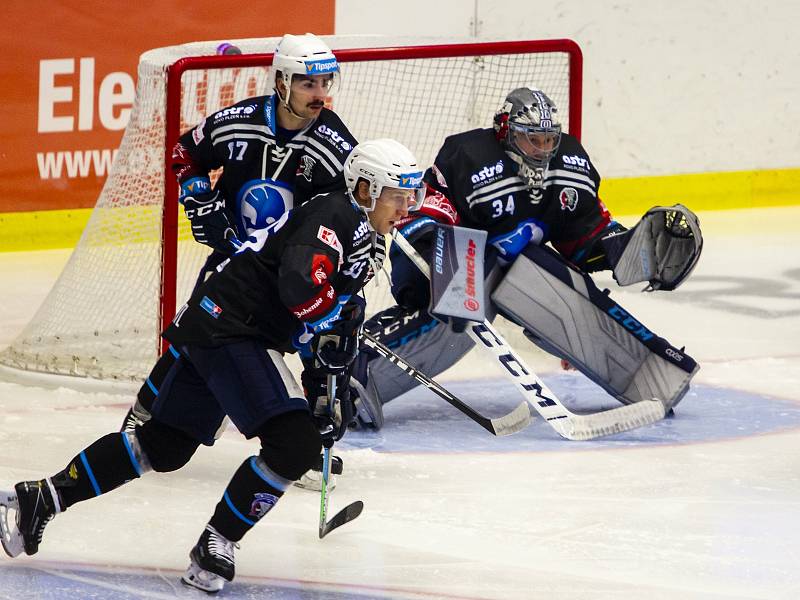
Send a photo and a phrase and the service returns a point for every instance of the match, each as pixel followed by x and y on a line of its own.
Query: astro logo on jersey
pixel 411 180
pixel 568 198
pixel 234 111
pixel 576 161
pixel 337 139
pixel 488 173
pixel 261 202
pixel 320 67
pixel 208 305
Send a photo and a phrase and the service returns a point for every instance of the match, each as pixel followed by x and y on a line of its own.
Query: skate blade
pixel 10 537
pixel 201 579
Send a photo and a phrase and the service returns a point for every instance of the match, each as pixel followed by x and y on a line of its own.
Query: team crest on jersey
pixel 262 504
pixel 306 166
pixel 262 202
pixel 568 198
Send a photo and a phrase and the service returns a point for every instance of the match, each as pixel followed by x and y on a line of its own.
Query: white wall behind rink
pixel 681 86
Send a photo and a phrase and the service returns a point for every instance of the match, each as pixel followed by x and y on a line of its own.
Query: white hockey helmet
pixel 305 55
pixel 527 124
pixel 384 163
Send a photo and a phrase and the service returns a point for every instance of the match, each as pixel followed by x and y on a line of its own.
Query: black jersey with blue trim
pixel 474 171
pixel 290 283
pixel 266 169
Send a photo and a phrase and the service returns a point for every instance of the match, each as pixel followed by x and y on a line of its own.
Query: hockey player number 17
pixel 233 146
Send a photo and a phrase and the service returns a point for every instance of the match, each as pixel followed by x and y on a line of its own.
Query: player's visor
pixel 403 198
pixel 322 84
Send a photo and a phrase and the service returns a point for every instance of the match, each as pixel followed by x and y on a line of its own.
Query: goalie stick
pixel 352 510
pixel 514 421
pixel 567 424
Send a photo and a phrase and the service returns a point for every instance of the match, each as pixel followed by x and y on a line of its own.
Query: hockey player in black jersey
pixel 293 288
pixel 527 183
pixel 275 151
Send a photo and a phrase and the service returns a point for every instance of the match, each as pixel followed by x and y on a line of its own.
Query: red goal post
pixel 174 125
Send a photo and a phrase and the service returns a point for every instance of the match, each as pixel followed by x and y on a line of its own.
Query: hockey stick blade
pixel 608 422
pixel 515 421
pixel 347 514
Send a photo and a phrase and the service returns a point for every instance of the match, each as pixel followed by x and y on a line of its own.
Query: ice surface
pixel 703 505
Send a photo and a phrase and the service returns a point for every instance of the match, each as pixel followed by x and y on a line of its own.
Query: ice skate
pixel 34 506
pixel 312 479
pixel 212 562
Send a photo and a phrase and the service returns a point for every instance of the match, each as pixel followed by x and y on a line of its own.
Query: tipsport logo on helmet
pixel 320 67
pixel 411 180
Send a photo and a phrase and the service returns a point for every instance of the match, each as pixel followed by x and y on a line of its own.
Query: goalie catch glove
pixel 662 248
pixel 210 222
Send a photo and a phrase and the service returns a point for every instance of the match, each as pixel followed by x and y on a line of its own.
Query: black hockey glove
pixel 210 222
pixel 337 348
pixel 332 422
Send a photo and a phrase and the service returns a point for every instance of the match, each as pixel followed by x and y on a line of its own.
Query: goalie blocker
pixel 565 314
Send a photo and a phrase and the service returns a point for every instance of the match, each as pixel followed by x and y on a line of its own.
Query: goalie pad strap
pixel 565 314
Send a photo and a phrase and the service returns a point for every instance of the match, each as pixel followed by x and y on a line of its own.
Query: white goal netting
pixel 102 317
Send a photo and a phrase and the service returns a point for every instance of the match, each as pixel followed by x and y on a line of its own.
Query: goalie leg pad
pixel 565 314
pixel 427 344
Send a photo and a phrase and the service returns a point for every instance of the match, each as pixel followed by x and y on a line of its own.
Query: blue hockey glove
pixel 210 222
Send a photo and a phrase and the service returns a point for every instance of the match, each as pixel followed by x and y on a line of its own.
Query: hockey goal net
pixel 136 259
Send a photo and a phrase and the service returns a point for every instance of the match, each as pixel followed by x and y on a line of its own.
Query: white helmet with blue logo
pixel 305 55
pixel 384 163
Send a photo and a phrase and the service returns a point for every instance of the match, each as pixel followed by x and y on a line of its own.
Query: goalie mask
pixel 528 127
pixel 384 163
pixel 303 56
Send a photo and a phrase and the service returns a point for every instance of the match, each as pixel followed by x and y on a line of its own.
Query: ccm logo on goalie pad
pixel 631 324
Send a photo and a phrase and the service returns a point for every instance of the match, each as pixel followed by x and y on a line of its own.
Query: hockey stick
pixel 567 424
pixel 514 421
pixel 349 512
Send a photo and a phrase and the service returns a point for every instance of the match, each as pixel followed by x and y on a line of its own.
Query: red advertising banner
pixel 68 72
